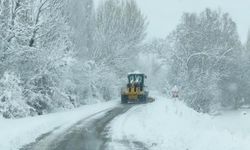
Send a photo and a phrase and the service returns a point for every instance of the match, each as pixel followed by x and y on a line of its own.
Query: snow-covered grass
pixel 18 132
pixel 171 125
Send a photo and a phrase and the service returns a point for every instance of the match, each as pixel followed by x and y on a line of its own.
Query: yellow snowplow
pixel 135 90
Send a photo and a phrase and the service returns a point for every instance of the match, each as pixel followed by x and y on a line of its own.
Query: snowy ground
pixel 170 125
pixel 18 132
pixel 164 124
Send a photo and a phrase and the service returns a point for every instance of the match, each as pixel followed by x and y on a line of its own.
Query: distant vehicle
pixel 135 91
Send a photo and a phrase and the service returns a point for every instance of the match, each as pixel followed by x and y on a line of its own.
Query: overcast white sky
pixel 164 15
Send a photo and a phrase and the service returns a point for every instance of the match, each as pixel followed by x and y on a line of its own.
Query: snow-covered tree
pixel 243 74
pixel 206 47
pixel 154 60
pixel 12 102
pixel 109 37
pixel 119 30
pixel 81 19
pixel 35 44
pixel 50 37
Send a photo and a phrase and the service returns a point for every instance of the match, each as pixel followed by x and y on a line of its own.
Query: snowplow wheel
pixel 124 99
pixel 143 99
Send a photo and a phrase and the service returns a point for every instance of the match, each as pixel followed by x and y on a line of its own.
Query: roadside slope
pixel 170 124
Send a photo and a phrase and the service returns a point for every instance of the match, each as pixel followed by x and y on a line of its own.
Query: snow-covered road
pixel 18 132
pixel 87 134
pixel 164 124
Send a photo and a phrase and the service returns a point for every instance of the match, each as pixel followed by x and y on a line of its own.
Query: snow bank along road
pixel 18 132
pixel 168 124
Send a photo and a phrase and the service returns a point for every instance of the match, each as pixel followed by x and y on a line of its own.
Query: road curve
pixel 87 134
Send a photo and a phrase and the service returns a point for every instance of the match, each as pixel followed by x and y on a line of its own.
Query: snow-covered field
pixel 18 132
pixel 170 125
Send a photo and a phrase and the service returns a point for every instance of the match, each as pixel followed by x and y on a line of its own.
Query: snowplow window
pixel 138 79
pixel 131 79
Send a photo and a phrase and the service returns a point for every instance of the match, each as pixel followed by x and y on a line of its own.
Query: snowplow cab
pixel 135 90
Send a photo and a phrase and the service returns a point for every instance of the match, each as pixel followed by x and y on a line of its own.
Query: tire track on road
pixel 87 134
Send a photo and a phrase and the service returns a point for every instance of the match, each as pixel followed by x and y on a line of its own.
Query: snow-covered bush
pixel 92 82
pixel 12 102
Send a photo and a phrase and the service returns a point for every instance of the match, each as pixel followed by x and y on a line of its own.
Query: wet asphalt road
pixel 88 134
